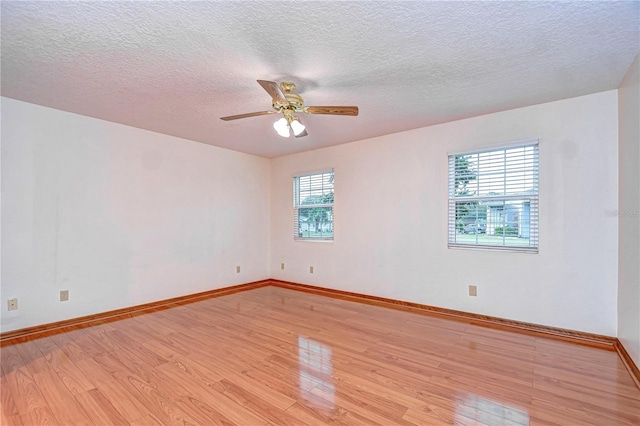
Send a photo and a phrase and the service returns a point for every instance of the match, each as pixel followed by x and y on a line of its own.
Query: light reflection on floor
pixel 315 371
pixel 488 412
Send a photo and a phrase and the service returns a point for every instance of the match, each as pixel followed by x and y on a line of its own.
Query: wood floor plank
pixel 24 391
pixel 368 405
pixel 100 339
pixel 390 375
pixel 274 356
pixel 195 399
pixel 588 379
pixel 156 401
pixel 125 403
pixel 616 410
pixel 487 366
pixel 99 409
pixel 188 366
pixel 194 394
pixel 8 407
pixel 60 401
pixel 580 413
pixel 418 417
pixel 584 388
pixel 490 388
pixel 40 416
pixel 132 329
pixel 361 383
pixel 86 345
pixel 405 359
pixel 32 357
pixel 447 416
pixel 466 408
pixel 13 420
pixel 313 416
pixel 148 420
pixel 499 354
pixel 256 404
pixel 66 342
pixel 115 381
pixel 75 381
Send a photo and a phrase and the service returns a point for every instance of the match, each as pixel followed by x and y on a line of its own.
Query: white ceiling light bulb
pixel 282 127
pixel 297 126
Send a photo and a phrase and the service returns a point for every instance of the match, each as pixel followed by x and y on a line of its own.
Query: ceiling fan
pixel 287 103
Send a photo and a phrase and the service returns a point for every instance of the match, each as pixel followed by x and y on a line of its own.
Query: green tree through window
pixel 313 206
pixel 493 198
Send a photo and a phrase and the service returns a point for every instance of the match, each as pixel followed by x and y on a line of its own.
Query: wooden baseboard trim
pixel 628 362
pixel 587 339
pixel 25 334
pixel 578 337
pixel 571 336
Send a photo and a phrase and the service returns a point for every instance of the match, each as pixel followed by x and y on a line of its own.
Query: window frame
pixel 298 206
pixel 530 198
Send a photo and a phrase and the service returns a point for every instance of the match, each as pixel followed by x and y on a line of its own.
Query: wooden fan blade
pixel 273 89
pixel 249 114
pixel 303 134
pixel 333 110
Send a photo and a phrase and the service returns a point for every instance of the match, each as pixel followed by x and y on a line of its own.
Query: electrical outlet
pixel 64 295
pixel 473 290
pixel 282 266
pixel 311 269
pixel 12 304
pixel 238 269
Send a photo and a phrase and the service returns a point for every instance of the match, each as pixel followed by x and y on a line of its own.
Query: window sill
pixel 529 250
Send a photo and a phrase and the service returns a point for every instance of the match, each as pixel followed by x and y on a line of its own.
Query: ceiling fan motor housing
pixel 294 101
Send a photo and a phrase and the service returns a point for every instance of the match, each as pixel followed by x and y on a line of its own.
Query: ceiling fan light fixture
pixel 282 127
pixel 297 126
pixel 284 101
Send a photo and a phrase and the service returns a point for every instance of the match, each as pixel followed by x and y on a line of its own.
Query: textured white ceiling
pixel 176 67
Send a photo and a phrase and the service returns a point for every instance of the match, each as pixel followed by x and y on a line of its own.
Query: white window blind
pixel 313 206
pixel 493 198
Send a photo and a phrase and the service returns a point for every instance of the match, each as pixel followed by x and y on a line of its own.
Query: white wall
pixel 391 219
pixel 121 216
pixel 629 213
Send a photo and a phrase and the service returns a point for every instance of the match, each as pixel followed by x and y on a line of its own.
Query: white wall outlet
pixel 311 269
pixel 12 304
pixel 473 290
pixel 64 295
pixel 238 269
pixel 282 266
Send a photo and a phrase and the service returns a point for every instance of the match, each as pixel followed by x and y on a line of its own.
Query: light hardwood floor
pixel 273 356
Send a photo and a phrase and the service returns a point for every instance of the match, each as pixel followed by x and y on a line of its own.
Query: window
pixel 313 206
pixel 493 198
